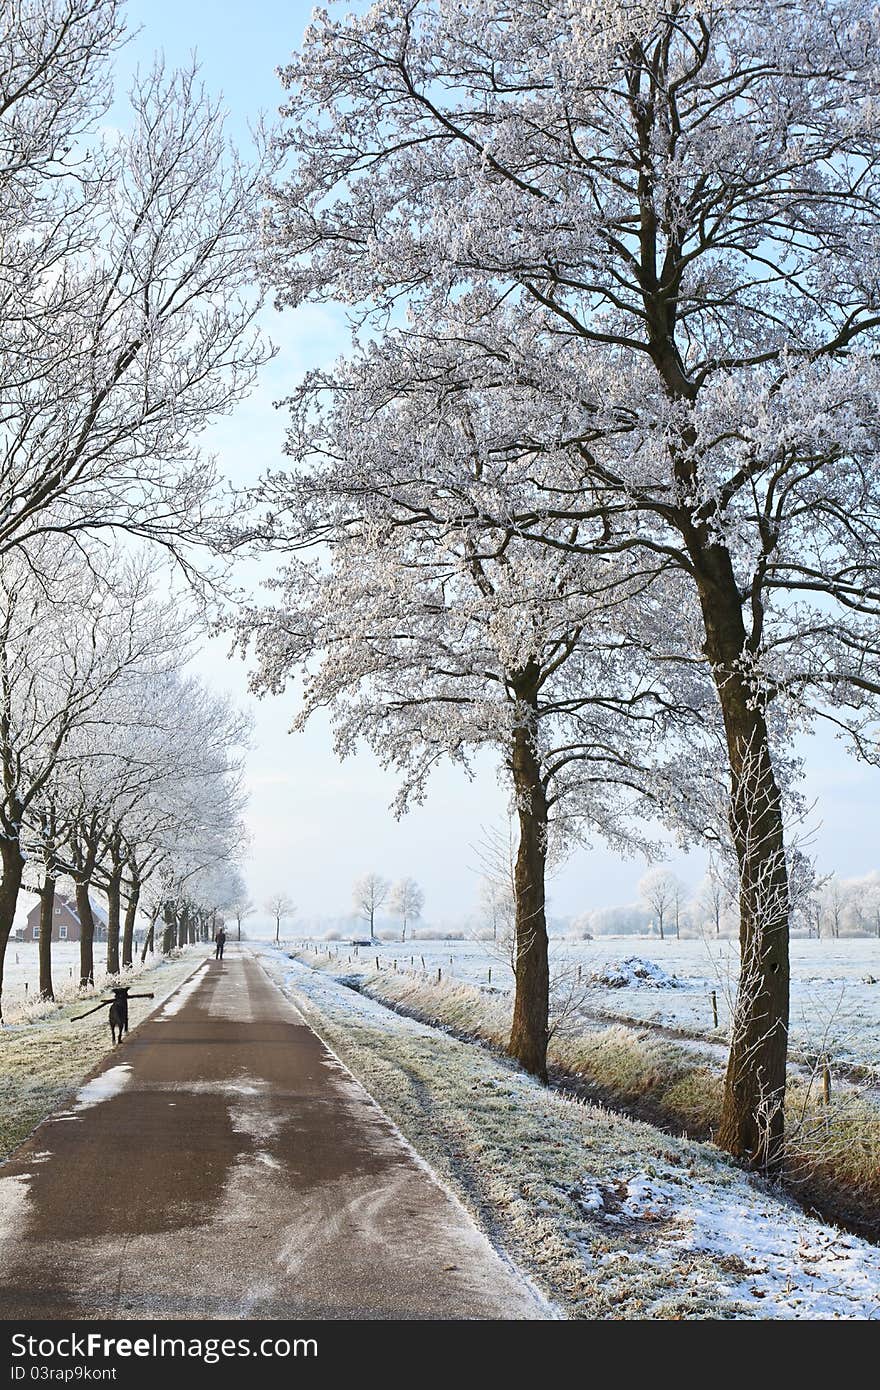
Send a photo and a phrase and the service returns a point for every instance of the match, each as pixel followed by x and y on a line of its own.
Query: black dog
pixel 119 1010
pixel 119 1014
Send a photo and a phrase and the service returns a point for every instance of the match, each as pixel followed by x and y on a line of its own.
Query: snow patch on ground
pixel 100 1089
pixel 633 973
pixel 258 1119
pixel 802 1268
pixel 245 1087
pixel 14 1194
pixel 187 989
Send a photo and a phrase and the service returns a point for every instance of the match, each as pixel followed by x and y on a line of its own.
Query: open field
pixel 833 1008
pixel 648 1069
pixel 21 977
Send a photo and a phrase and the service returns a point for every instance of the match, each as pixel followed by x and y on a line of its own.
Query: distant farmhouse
pixel 65 921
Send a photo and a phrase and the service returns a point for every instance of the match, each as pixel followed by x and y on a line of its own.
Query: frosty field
pixel 834 1009
pixel 21 976
pixel 611 1217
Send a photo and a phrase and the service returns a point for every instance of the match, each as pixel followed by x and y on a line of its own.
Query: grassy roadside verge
pixel 833 1150
pixel 43 1060
pixel 611 1218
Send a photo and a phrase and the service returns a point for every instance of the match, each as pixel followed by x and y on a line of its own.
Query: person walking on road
pixel 220 942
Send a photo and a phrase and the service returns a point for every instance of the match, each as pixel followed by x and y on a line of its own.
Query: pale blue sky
pixel 317 824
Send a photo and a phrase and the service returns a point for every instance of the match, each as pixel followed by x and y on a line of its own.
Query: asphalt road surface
pixel 223 1163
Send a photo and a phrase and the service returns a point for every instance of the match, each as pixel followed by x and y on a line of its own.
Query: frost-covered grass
pixel 21 968
pixel 612 1217
pixel 833 1009
pixel 833 1151
pixel 44 1059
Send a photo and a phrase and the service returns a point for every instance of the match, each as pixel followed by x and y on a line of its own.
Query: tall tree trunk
pixel 131 907
pixel 47 921
pixel 170 929
pixel 752 1123
pixel 148 941
pixel 531 1005
pixel 114 904
pixel 86 934
pixel 182 927
pixel 13 868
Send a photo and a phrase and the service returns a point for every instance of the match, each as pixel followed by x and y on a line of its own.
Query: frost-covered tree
pixel 496 853
pixel 241 907
pixel 196 875
pixel 66 636
pixel 680 899
pixel 864 894
pixel 406 902
pixel 186 838
pixel 167 743
pixel 654 226
pixel 369 894
pixel 834 905
pixel 658 888
pixel 430 640
pixel 145 779
pixel 279 906
pixel 126 301
pixel 713 899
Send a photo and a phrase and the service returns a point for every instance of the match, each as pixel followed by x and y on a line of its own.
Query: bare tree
pixel 834 903
pixel 241 908
pixel 679 899
pixel 370 895
pixel 713 898
pixel 406 901
pixel 280 906
pixel 661 890
pixel 126 308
